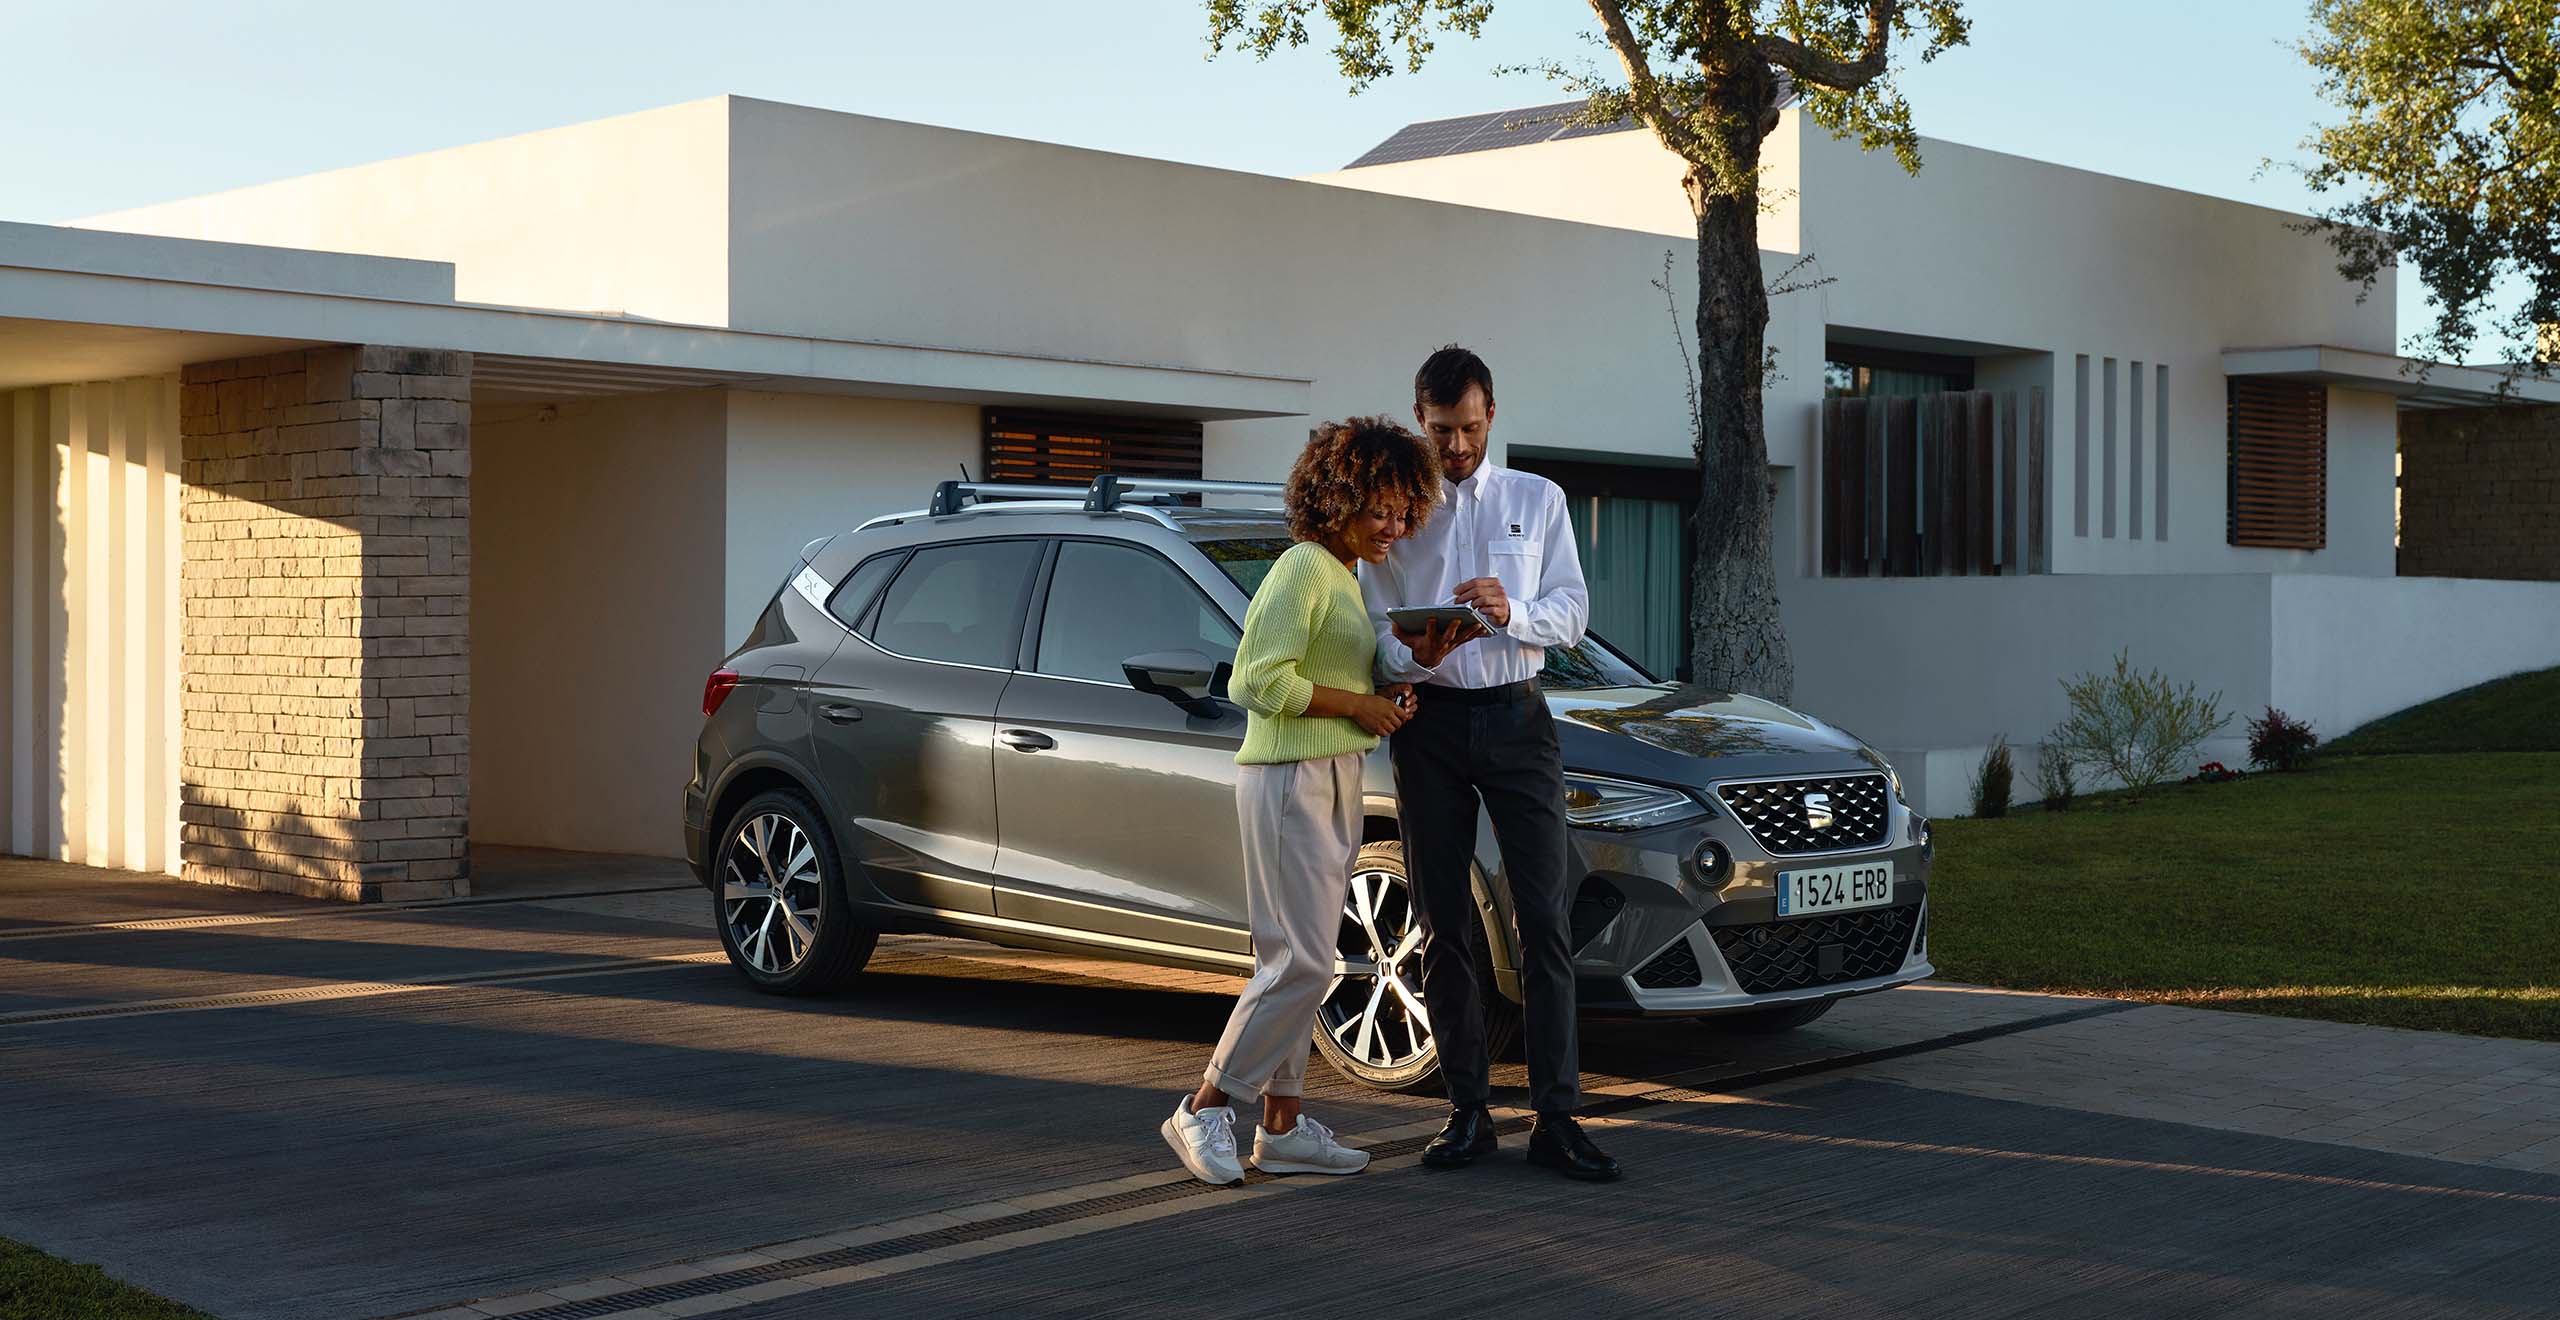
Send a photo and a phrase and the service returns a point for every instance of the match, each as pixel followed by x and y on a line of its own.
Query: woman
pixel 1303 674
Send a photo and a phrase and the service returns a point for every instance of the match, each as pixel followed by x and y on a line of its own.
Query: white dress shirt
pixel 1498 524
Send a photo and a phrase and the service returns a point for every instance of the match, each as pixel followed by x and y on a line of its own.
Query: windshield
pixel 1591 664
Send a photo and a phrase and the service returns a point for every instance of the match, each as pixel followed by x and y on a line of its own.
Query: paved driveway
pixel 557 1102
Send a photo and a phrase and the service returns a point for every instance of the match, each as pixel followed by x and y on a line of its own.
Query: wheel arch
pixel 761 772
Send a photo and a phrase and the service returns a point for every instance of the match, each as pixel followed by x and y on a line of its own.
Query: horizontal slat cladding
pixel 1071 449
pixel 2279 465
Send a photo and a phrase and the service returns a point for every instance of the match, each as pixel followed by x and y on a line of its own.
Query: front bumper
pixel 1655 937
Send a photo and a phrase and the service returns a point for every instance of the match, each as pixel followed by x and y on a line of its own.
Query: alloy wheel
pixel 770 893
pixel 1373 1008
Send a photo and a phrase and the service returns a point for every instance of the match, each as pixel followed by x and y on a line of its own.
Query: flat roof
pixel 2416 383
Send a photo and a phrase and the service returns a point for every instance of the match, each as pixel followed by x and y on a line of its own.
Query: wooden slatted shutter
pixel 2279 456
pixel 1071 449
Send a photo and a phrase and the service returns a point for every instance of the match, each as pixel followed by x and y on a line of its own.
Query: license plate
pixel 1835 889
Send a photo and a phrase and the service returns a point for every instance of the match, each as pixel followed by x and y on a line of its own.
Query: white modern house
pixel 353 518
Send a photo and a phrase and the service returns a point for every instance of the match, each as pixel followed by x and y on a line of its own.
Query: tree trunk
pixel 1736 643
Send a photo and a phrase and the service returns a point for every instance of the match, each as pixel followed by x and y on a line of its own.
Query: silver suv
pixel 1004 717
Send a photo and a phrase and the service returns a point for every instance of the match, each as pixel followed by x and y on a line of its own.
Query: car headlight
pixel 1616 804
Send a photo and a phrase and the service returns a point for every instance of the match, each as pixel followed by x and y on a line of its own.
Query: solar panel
pixel 1467 133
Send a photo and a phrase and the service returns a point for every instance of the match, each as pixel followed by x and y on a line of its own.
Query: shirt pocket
pixel 1516 563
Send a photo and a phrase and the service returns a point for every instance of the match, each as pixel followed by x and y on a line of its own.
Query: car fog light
pixel 1711 862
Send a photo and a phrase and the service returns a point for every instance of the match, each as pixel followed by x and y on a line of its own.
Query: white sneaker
pixel 1307 1148
pixel 1206 1141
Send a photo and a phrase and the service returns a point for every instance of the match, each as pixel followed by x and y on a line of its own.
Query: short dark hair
pixel 1446 374
pixel 1349 464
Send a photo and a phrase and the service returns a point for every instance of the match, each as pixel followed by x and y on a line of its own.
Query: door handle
pixel 1024 740
pixel 840 713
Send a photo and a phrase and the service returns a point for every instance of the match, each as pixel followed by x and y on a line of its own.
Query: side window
pixel 1109 602
pixel 853 598
pixel 961 603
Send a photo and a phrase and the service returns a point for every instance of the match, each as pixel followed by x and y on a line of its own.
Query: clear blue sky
pixel 111 104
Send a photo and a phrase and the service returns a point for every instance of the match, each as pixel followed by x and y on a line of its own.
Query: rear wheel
pixel 779 899
pixel 1373 1025
pixel 1770 1021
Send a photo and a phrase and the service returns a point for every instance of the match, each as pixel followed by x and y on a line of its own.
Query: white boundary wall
pixel 1930 670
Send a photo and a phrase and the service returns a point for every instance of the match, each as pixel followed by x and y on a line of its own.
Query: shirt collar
pixel 1478 481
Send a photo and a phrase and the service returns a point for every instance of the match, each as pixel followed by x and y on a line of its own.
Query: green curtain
pixel 1634 557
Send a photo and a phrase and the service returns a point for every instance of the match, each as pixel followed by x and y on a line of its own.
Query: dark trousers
pixel 1448 757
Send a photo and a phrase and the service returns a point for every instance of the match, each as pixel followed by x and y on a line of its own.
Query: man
pixel 1500 542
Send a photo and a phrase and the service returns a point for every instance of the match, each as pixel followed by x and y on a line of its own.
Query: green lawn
pixel 42 1287
pixel 2519 713
pixel 2410 891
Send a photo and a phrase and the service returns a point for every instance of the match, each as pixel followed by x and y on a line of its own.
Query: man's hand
pixel 1434 643
pixel 1487 595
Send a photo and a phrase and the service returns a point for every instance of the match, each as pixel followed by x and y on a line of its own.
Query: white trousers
pixel 1301 825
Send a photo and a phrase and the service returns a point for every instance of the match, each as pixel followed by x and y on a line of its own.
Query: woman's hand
pixel 1379 715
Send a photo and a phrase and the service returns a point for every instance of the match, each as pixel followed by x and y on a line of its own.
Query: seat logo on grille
pixel 1817 810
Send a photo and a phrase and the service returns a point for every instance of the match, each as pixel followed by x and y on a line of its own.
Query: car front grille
pixel 1675 968
pixel 1776 812
pixel 1816 951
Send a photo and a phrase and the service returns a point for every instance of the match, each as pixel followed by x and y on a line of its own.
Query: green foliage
pixel 1992 779
pixel 2518 713
pixel 2134 725
pixel 35 1284
pixel 2452 136
pixel 1706 77
pixel 2057 777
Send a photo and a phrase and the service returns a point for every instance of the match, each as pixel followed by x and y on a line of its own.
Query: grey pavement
pixel 564 1101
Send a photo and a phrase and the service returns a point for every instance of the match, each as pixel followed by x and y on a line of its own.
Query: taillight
pixel 716 688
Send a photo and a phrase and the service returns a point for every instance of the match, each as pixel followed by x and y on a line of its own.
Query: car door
pixel 905 715
pixel 1117 807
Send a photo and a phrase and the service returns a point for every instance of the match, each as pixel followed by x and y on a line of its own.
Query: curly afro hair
pixel 1350 465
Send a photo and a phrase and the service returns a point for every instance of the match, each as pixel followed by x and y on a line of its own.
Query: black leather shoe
pixel 1557 1142
pixel 1469 1134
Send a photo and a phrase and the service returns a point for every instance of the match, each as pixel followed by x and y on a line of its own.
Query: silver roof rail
pixel 1111 492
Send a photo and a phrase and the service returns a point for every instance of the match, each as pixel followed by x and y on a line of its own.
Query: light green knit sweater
pixel 1307 626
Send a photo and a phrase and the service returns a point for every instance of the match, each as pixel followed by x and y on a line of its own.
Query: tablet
pixel 1415 618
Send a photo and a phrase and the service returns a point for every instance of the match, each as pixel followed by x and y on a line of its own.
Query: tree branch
pixel 1641 87
pixel 1810 65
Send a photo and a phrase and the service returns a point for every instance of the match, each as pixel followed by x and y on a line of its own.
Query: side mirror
pixel 1186 678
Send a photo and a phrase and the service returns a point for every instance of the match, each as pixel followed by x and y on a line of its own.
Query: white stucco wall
pixel 596 555
pixel 627 215
pixel 89 623
pixel 866 228
pixel 1929 671
pixel 802 466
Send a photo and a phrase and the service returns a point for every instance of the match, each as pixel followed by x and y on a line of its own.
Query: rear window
pixel 1590 664
pixel 961 603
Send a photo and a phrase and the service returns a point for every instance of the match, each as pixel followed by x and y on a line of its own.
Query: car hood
pixel 1693 735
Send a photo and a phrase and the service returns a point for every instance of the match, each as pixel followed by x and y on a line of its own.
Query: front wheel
pixel 1373 1025
pixel 779 903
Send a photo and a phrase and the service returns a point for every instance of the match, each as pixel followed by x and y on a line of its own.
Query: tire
pixel 1770 1021
pixel 780 834
pixel 1398 1052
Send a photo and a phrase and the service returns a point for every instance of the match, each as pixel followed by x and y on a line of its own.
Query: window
pixel 961 603
pixel 2279 455
pixel 1071 449
pixel 1855 371
pixel 1109 602
pixel 853 599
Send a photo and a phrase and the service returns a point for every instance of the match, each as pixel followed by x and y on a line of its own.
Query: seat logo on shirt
pixel 1515 532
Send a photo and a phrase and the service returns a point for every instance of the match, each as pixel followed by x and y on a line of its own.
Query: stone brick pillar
pixel 2480 492
pixel 326 648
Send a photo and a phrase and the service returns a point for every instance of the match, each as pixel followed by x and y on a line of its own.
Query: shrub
pixel 2215 772
pixel 2278 741
pixel 1992 779
pixel 2057 777
pixel 2134 725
